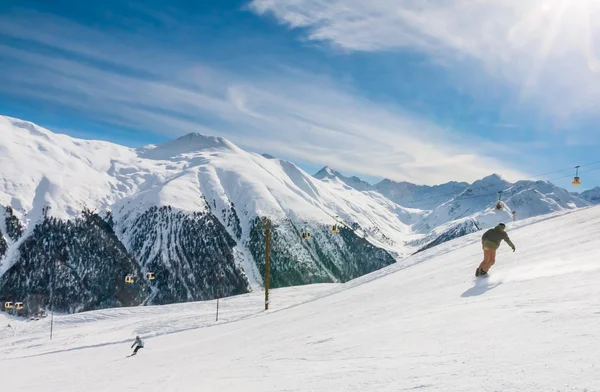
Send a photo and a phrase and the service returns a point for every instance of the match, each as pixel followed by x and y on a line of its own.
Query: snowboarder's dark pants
pixel 136 349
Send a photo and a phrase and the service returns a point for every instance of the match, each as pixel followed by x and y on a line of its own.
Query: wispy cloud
pixel 141 84
pixel 547 49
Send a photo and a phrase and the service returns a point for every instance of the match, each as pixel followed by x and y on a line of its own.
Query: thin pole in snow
pixel 218 293
pixel 52 299
pixel 267 266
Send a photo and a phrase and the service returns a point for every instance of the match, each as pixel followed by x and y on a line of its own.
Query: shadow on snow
pixel 482 286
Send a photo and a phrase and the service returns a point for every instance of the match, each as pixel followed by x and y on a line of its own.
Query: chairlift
pixel 499 204
pixel 19 305
pixel 8 305
pixel 129 279
pixel 150 275
pixel 576 180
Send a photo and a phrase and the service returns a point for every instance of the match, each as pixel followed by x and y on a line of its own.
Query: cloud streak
pixel 548 50
pixel 137 83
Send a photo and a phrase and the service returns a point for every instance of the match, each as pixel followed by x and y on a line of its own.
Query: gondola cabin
pixel 129 279
pixel 499 204
pixel 335 229
pixel 306 235
pixel 576 180
pixel 19 305
pixel 8 305
pixel 150 275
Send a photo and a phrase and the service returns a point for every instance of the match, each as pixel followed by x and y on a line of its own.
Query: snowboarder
pixel 138 343
pixel 490 242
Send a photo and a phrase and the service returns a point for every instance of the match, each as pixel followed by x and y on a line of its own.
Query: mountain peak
pixel 192 142
pixel 491 181
pixel 354 182
pixel 493 177
pixel 327 172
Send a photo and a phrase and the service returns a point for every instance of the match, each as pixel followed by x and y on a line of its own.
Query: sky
pixel 426 91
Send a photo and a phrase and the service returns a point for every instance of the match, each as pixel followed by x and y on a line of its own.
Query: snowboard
pixel 481 276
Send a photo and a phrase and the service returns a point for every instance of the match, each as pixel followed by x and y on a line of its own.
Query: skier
pixel 490 242
pixel 138 343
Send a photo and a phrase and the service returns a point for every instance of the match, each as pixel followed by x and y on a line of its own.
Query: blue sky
pixel 425 91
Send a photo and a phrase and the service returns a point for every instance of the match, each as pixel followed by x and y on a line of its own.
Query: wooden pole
pixel 267 266
pixel 266 226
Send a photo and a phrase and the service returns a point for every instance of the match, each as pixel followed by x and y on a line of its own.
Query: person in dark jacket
pixel 490 242
pixel 139 343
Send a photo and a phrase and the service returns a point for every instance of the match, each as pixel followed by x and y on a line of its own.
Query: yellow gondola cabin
pixel 576 180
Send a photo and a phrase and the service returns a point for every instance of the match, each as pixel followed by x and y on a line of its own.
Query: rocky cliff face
pixel 10 229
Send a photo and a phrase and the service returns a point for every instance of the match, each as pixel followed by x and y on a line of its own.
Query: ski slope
pixel 421 325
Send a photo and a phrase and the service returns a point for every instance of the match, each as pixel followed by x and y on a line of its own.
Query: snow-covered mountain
pixel 77 216
pixel 188 211
pixel 454 209
pixel 521 200
pixel 592 195
pixel 419 196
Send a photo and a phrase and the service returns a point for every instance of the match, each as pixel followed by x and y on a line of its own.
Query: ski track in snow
pixel 423 324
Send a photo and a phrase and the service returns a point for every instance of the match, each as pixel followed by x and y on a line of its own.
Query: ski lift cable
pixel 528 178
pixel 563 170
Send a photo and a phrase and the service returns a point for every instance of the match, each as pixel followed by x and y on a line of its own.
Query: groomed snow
pixel 424 324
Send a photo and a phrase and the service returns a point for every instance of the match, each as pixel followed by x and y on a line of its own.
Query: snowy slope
pixel 423 324
pixel 40 168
